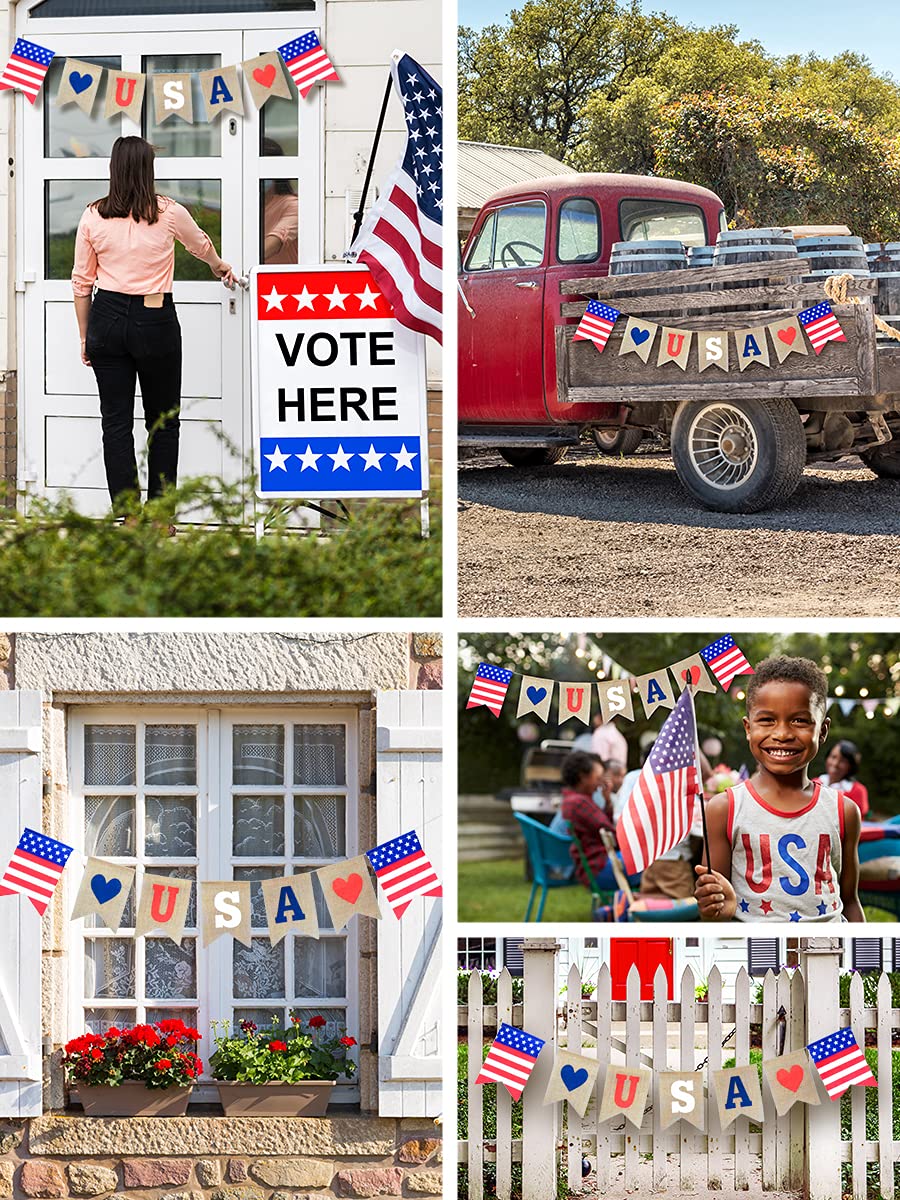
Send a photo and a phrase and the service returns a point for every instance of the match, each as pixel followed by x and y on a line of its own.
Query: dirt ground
pixel 605 537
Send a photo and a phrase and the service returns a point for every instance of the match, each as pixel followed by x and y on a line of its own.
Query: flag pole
pixel 358 215
pixel 702 798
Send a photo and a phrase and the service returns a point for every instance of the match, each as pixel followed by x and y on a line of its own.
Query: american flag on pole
pixel 307 62
pixel 489 687
pixel 511 1059
pixel 841 1063
pixel 821 326
pixel 35 868
pixel 660 808
pixel 404 870
pixel 27 66
pixel 726 659
pixel 597 324
pixel 400 240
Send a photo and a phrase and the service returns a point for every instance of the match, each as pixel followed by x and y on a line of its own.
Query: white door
pixel 221 172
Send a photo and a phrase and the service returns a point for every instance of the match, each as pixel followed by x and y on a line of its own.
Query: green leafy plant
pixel 276 1055
pixel 160 1055
pixel 488 986
pixel 701 991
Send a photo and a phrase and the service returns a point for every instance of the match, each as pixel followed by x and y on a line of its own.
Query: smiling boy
pixel 781 847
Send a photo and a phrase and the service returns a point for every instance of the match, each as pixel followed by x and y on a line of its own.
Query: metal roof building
pixel 485 169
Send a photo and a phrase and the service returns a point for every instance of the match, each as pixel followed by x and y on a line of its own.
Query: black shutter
pixel 895 954
pixel 763 954
pixel 514 956
pixel 867 954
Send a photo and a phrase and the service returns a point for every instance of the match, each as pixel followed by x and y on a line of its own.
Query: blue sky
pixel 824 27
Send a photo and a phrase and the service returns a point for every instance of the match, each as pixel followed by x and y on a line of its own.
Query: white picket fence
pixel 802 1151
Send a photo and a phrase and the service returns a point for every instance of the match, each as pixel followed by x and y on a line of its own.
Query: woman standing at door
pixel 126 245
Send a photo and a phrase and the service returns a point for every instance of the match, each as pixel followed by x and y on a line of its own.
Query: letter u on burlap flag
pixel 163 904
pixel 625 1094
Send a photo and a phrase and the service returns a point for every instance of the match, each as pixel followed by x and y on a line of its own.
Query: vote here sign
pixel 339 398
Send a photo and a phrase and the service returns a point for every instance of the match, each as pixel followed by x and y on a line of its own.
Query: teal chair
pixel 548 853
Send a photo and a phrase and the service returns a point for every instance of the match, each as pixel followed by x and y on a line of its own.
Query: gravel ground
pixel 606 537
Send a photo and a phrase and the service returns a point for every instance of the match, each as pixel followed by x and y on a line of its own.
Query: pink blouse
pixel 124 255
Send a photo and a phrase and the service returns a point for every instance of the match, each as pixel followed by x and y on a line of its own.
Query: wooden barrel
pixel 701 256
pixel 744 246
pixel 885 266
pixel 833 256
pixel 640 258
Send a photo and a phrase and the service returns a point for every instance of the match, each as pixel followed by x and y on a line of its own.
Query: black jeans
pixel 125 342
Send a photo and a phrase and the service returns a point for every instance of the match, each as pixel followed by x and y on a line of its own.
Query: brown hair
pixel 132 187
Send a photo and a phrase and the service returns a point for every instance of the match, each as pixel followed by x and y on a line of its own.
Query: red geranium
pixel 133 1054
pixel 277 1045
pixel 348 1041
pixel 164 1064
pixel 316 1022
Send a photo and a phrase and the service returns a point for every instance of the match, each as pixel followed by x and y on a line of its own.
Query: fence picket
pixel 782 1128
pixel 768 1044
pixel 858 1096
pixel 504 1100
pixel 660 1063
pixel 742 1058
pixel 573 1043
pixel 714 1049
pixel 688 1062
pixel 475 1028
pixel 632 1055
pixel 604 1053
pixel 885 1081
pixel 796 1040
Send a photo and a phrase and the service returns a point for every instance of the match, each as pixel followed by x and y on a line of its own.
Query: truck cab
pixel 526 239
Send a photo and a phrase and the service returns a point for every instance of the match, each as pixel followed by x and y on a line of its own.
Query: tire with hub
pixel 884 460
pixel 739 456
pixel 617 441
pixel 533 456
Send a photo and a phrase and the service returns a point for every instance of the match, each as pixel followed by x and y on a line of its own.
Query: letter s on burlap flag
pixel 35 868
pixel 572 1079
pixel 840 1062
pixel 225 910
pixel 511 1059
pixel 681 1096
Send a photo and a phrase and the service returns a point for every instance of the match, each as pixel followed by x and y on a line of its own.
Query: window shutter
pixel 763 954
pixel 20 925
pixel 408 789
pixel 867 954
pixel 895 954
pixel 514 956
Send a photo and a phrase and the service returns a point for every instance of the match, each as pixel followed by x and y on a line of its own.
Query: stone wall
pixel 218 1158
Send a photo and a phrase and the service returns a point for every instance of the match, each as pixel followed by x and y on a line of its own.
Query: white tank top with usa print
pixel 786 866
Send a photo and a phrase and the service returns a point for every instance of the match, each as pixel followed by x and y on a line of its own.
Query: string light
pixel 839 690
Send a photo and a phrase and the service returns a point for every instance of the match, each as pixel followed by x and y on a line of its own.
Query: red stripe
pixel 414 890
pixel 392 237
pixel 400 864
pixel 36 858
pixel 388 288
pixel 432 252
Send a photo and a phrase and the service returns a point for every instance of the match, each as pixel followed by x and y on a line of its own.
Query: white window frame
pixel 214 850
pixel 175 22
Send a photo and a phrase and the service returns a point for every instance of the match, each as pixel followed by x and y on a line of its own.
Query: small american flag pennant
pixel 726 659
pixel 28 65
pixel 35 868
pixel 597 324
pixel 511 1059
pixel 307 62
pixel 841 1063
pixel 404 871
pixel 489 687
pixel 821 326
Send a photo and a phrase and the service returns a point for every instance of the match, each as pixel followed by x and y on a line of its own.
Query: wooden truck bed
pixel 859 367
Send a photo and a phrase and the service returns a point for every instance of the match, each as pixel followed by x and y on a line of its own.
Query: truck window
pixel 511 238
pixel 647 220
pixel 578 240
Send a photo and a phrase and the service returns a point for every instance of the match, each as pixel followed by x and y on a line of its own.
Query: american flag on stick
pixel 35 868
pixel 660 809
pixel 821 326
pixel 511 1059
pixel 28 65
pixel 726 660
pixel 489 687
pixel 307 62
pixel 404 870
pixel 401 238
pixel 841 1063
pixel 597 324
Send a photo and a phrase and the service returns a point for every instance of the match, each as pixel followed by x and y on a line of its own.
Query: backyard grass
pixel 498 891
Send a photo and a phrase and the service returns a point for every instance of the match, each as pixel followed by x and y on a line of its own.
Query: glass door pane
pixel 177 139
pixel 72 133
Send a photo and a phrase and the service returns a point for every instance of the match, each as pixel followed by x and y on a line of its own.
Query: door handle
pixel 530 284
pixel 242 281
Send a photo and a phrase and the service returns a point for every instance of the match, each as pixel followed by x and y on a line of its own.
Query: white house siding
pixel 7 265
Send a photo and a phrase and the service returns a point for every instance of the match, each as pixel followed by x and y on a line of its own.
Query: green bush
pixel 58 563
pixel 488 987
pixel 489 1127
pixel 870 988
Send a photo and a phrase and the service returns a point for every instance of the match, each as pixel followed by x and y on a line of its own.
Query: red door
pixel 648 954
pixel 501 374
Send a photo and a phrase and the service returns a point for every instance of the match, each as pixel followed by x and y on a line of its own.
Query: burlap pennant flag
pixel 792 1080
pixel 348 890
pixel 104 891
pixel 675 346
pixel 572 1078
pixel 787 338
pixel 225 909
pixel 221 90
pixel 712 349
pixel 535 696
pixel 638 338
pixel 290 907
pixel 625 1094
pixel 615 700
pixel 752 346
pixel 172 97
pixel 656 691
pixel 738 1094
pixel 681 1098
pixel 163 904
pixel 124 94
pixel 692 671
pixel 574 701
pixel 79 84
pixel 265 77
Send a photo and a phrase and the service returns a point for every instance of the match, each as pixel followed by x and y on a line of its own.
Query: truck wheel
pixel 884 460
pixel 617 441
pixel 533 456
pixel 738 456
